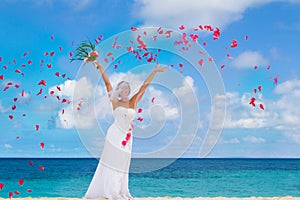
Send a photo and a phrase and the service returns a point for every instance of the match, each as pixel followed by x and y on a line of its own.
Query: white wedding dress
pixel 111 176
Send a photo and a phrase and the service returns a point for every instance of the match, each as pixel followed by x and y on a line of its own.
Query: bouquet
pixel 86 52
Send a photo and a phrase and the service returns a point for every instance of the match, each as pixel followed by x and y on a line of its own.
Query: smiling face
pixel 124 90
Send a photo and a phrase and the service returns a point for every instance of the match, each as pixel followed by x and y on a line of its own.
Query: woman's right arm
pixel 104 76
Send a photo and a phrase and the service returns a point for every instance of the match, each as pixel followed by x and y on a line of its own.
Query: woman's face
pixel 124 90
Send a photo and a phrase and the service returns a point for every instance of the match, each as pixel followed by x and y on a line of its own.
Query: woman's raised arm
pixel 104 76
pixel 138 96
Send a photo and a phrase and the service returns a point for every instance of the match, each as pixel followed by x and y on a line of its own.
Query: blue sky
pixel 181 100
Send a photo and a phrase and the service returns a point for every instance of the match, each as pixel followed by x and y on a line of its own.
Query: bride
pixel 111 176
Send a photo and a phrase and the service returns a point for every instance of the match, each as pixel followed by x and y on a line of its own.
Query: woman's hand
pixel 160 69
pixel 96 64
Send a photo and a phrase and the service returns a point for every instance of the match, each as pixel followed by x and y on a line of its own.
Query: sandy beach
pixel 171 198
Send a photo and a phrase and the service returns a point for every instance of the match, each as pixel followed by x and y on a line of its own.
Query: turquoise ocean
pixel 183 178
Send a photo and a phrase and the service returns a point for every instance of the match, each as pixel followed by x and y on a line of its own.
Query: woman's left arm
pixel 138 96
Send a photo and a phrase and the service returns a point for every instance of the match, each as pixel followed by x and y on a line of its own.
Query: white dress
pixel 111 176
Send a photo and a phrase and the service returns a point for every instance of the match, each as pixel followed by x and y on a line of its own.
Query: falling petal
pixel 259 88
pixel 42 145
pixel 10 117
pixel 60 49
pixel 57 74
pixel 29 190
pixel 124 142
pixel 13 107
pixel 152 100
pixel 261 106
pixel 37 127
pixel 140 119
pixel 140 110
pixel 2 77
pixel 21 181
pixel 181 27
pixel 17 192
pixel 10 194
pixel 40 92
pixel 223 66
pixel 42 82
pixel 1 186
pixel 30 163
pixel 133 28
pixel 201 62
pixel 52 37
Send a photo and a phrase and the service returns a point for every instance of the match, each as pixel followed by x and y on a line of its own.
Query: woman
pixel 111 176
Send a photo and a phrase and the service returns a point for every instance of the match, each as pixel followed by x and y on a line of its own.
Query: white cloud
pixel 282 114
pixel 8 146
pixel 173 13
pixel 253 139
pixel 249 59
pixel 2 110
pixel 230 141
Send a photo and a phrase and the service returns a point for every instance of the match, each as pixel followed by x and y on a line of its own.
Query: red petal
pixel 181 27
pixel 140 110
pixel 29 62
pixel 223 66
pixel 57 74
pixel 13 107
pixel 268 67
pixel 42 82
pixel 0 59
pixel 42 145
pixel 133 28
pixel 30 163
pixel 49 65
pixel 46 53
pixel 17 192
pixel 18 71
pixel 70 54
pixel 60 48
pixel 52 37
pixel 23 93
pixel 152 100
pixel 124 142
pixel 10 194
pixel 29 190
pixel 51 92
pixel 17 85
pixel 255 67
pixel 261 106
pixel 259 88
pixel 51 53
pixel 140 119
pixel 1 77
pixel 201 62
pixel 63 76
pixel 37 127
pixel 40 92
pixel 1 186
pixel 21 181
pixel 15 99
pixel 17 137
pixel 11 117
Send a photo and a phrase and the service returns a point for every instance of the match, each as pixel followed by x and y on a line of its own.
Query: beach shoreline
pixel 166 198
